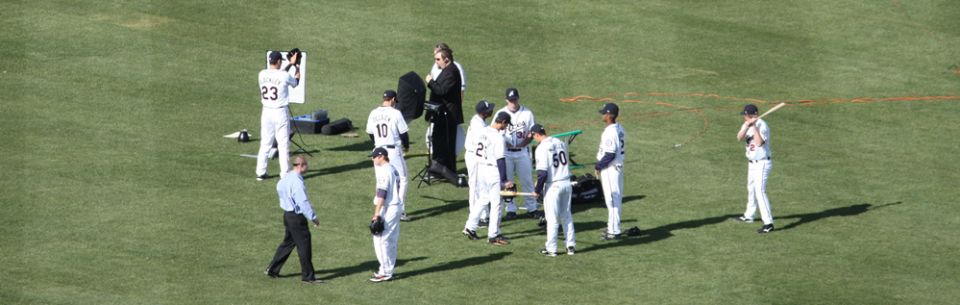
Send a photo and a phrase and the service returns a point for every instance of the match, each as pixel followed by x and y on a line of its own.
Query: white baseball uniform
pixel 611 177
pixel 553 158
pixel 385 244
pixel 518 159
pixel 461 136
pixel 274 119
pixel 757 172
pixel 386 124
pixel 490 147
pixel 477 124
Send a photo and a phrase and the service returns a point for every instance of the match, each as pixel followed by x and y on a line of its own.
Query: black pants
pixel 297 235
pixel 445 141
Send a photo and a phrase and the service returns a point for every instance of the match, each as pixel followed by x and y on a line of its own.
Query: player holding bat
pixel 491 179
pixel 756 137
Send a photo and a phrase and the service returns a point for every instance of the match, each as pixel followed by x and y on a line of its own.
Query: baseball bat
pixel 778 106
pixel 514 194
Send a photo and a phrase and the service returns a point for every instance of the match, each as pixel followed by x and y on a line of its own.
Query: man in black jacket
pixel 445 91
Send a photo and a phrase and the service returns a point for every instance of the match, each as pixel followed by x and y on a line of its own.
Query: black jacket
pixel 445 90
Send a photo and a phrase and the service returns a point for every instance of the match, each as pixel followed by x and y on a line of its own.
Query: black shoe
pixel 766 229
pixel 532 215
pixel 471 234
pixel 314 281
pixel 498 240
pixel 608 236
pixel 483 223
pixel 271 275
pixel 547 253
pixel 571 250
pixel 510 216
pixel 262 177
pixel 543 223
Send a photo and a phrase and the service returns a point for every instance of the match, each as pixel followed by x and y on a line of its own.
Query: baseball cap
pixel 389 94
pixel 379 151
pixel 537 128
pixel 610 108
pixel 275 56
pixel 502 117
pixel 750 109
pixel 512 94
pixel 483 106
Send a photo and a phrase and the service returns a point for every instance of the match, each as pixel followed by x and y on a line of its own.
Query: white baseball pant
pixel 611 178
pixel 556 206
pixel 757 174
pixel 274 126
pixel 385 244
pixel 488 189
pixel 400 164
pixel 518 163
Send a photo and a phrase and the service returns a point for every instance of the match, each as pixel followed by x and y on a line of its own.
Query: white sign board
pixel 296 94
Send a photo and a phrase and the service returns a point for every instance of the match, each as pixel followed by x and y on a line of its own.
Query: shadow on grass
pixel 852 210
pixel 338 169
pixel 463 263
pixel 580 207
pixel 447 207
pixel 659 233
pixel 366 146
pixel 578 228
pixel 362 267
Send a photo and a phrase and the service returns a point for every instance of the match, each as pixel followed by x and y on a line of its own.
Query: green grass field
pixel 118 188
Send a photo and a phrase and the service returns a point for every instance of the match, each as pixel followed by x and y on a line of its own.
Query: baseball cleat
pixel 498 240
pixel 571 250
pixel 483 223
pixel 471 234
pixel 380 278
pixel 766 229
pixel 510 216
pixel 262 177
pixel 743 219
pixel 547 253
pixel 608 236
pixel 404 217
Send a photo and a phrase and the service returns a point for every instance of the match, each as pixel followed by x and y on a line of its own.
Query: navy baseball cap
pixel 750 109
pixel 379 151
pixel 483 106
pixel 537 128
pixel 502 117
pixel 389 94
pixel 512 94
pixel 275 56
pixel 610 108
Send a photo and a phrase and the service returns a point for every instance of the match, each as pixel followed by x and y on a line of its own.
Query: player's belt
pixel 389 146
pixel 567 178
pixel 755 161
pixel 514 149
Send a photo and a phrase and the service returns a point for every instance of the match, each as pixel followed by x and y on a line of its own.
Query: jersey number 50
pixel 559 158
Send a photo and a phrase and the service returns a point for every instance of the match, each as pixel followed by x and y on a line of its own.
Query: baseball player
pixel 491 179
pixel 484 110
pixel 274 120
pixel 609 168
pixel 387 204
pixel 553 184
pixel 518 156
pixel 756 137
pixel 387 129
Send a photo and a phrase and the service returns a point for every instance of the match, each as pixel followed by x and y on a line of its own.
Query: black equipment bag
pixel 587 189
pixel 337 127
pixel 411 94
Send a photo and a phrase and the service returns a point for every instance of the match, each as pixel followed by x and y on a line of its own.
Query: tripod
pixel 424 174
pixel 296 130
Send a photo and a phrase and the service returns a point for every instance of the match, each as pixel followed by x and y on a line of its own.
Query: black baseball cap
pixel 750 109
pixel 389 94
pixel 275 56
pixel 610 108
pixel 483 106
pixel 379 151
pixel 502 117
pixel 538 129
pixel 512 94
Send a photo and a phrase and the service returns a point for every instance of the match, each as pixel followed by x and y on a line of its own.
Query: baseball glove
pixel 376 226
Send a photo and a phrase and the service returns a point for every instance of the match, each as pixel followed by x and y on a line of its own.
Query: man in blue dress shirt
pixel 297 210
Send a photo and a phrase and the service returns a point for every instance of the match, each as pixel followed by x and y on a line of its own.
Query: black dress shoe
pixel 314 282
pixel 271 275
